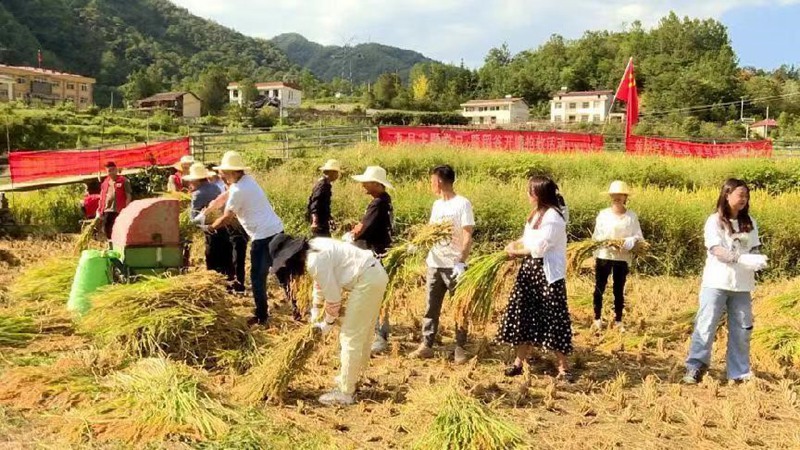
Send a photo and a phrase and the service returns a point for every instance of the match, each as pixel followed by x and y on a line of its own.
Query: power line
pixel 717 105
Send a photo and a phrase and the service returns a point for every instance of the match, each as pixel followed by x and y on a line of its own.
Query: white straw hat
pixel 231 161
pixel 197 172
pixel 186 159
pixel 619 187
pixel 375 174
pixel 331 165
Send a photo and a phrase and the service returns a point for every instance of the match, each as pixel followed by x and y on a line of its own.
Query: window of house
pixel 585 118
pixel 558 118
pixel 20 80
pixel 573 105
pixel 585 105
pixel 596 118
pixel 83 100
pixel 84 87
pixel 235 93
pixel 557 105
pixel 71 86
pixel 275 93
pixel 571 119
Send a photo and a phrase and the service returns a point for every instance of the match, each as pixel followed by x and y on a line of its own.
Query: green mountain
pixel 366 61
pixel 111 39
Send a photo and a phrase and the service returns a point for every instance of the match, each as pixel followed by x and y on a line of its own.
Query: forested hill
pixel 111 39
pixel 368 60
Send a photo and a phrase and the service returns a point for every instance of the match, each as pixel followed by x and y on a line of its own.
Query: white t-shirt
pixel 549 242
pixel 252 207
pixel 458 211
pixel 335 266
pixel 609 226
pixel 729 276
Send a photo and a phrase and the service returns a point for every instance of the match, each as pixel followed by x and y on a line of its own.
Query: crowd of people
pixel 537 314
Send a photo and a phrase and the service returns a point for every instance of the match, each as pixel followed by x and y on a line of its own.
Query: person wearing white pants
pixel 336 266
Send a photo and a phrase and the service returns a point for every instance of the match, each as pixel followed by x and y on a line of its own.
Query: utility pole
pixel 741 113
pixel 766 125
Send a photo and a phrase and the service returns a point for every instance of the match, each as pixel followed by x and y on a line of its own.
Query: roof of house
pixel 582 93
pixel 37 70
pixel 165 97
pixel 496 101
pixel 765 123
pixel 267 85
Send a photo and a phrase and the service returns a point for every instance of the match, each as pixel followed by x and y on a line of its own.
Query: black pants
pixel 219 253
pixel 604 268
pixel 109 218
pixel 238 257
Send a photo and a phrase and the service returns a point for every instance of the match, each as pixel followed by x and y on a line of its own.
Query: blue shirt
pixel 201 197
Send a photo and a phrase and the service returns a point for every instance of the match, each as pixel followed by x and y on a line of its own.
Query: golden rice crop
pixel 48 282
pixel 269 380
pixel 301 289
pixel 782 341
pixel 7 257
pixel 86 236
pixel 578 252
pixel 57 386
pixel 475 292
pixel 462 422
pixel 16 331
pixel 188 317
pixel 157 399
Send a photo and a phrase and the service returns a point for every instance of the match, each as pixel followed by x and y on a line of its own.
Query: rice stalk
pixel 61 385
pixel 301 289
pixel 462 422
pixel 188 317
pixel 270 379
pixel 782 342
pixel 157 399
pixel 16 331
pixel 49 281
pixel 578 252
pixel 475 292
pixel 86 236
pixel 8 258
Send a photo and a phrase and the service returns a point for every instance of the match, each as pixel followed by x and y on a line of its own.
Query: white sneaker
pixel 597 325
pixel 619 326
pixel 336 398
pixel 379 345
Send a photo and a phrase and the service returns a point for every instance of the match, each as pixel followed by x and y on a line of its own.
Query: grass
pixel 187 317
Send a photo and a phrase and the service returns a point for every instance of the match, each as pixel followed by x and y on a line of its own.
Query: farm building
pixel 180 104
pixel 580 106
pixel 761 129
pixel 49 87
pixel 496 111
pixel 289 95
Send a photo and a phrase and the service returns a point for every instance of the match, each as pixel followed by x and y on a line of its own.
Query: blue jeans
pixel 714 303
pixel 260 262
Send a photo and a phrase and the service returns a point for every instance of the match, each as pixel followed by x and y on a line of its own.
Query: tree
pixel 419 87
pixel 213 89
pixel 248 91
pixel 142 84
pixel 386 89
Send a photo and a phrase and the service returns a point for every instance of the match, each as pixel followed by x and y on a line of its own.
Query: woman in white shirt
pixel 731 240
pixel 616 222
pixel 537 313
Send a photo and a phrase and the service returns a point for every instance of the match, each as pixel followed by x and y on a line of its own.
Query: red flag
pixel 39 57
pixel 627 93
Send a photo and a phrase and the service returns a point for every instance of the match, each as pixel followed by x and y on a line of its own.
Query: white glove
pixel 459 270
pixel 348 237
pixel 316 314
pixel 753 262
pixel 323 327
pixel 630 243
pixel 200 218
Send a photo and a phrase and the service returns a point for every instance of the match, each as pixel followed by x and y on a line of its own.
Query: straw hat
pixel 231 161
pixel 185 161
pixel 282 248
pixel 375 174
pixel 618 187
pixel 331 165
pixel 211 173
pixel 197 172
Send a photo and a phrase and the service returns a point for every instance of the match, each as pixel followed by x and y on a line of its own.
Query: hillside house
pixel 761 129
pixel 179 104
pixel 496 111
pixel 288 94
pixel 45 86
pixel 580 106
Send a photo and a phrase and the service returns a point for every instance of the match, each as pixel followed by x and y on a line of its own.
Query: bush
pixel 412 118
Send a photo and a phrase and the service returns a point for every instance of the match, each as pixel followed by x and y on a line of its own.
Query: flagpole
pixel 614 100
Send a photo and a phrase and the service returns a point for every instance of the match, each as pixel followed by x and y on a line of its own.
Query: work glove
pixel 348 237
pixel 629 243
pixel 200 218
pixel 459 270
pixel 753 262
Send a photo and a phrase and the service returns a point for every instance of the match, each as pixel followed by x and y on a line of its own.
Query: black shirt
pixel 376 230
pixel 319 204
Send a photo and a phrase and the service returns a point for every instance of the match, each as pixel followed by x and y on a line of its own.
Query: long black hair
pixel 724 210
pixel 547 195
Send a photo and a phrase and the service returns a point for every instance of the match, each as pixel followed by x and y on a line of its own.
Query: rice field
pixel 125 379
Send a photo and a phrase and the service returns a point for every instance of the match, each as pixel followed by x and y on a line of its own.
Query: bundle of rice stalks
pixel 578 252
pixel 155 400
pixel 270 379
pixel 422 238
pixel 462 422
pixel 59 386
pixel 781 342
pixel 16 331
pixel 301 289
pixel 48 282
pixel 87 235
pixel 188 317
pixel 474 294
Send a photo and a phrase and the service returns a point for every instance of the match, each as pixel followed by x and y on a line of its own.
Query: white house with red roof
pixel 580 106
pixel 289 94
pixel 761 129
pixel 496 111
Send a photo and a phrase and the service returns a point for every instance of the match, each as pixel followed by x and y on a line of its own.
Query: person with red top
pixel 91 200
pixel 175 182
pixel 115 194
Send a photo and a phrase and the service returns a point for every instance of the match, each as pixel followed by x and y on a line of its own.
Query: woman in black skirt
pixel 537 314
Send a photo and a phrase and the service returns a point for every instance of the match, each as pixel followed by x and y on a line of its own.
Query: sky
pixel 764 33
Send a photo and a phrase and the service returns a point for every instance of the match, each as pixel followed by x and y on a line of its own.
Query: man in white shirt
pixel 248 203
pixel 446 261
pixel 336 266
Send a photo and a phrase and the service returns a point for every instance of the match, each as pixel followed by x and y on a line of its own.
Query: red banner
pixel 37 165
pixel 532 141
pixel 640 145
